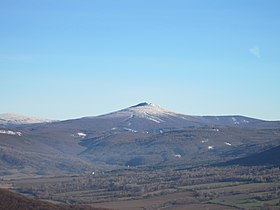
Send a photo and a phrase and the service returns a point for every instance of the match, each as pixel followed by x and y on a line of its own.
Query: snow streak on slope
pixel 8 132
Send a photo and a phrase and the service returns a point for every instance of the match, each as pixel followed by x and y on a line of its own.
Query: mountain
pixel 140 135
pixel 16 119
pixel 151 118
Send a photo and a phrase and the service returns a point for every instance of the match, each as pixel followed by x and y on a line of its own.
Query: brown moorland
pixel 13 201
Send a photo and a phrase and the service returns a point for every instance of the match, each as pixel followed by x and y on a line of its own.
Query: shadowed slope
pixel 268 157
pixel 14 201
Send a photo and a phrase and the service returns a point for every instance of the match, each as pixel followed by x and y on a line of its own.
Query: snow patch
pixel 235 121
pixel 227 143
pixel 79 135
pixel 204 141
pixel 131 130
pixel 154 120
pixel 210 147
pixel 8 132
pixel 177 156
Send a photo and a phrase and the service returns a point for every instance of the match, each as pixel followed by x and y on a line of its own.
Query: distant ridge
pixel 17 119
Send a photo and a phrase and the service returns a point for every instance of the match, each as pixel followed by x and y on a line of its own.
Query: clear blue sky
pixel 67 58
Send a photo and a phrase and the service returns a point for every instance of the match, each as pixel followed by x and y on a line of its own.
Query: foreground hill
pixel 14 201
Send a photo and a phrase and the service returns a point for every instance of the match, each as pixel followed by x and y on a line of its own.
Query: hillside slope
pixel 14 201
pixel 267 157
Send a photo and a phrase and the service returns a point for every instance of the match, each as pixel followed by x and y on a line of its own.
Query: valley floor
pixel 234 187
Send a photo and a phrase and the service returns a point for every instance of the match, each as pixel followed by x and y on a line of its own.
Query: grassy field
pixel 242 195
pixel 244 201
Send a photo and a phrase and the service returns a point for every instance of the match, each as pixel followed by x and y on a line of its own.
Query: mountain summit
pixel 148 108
pixel 145 111
pixel 141 104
